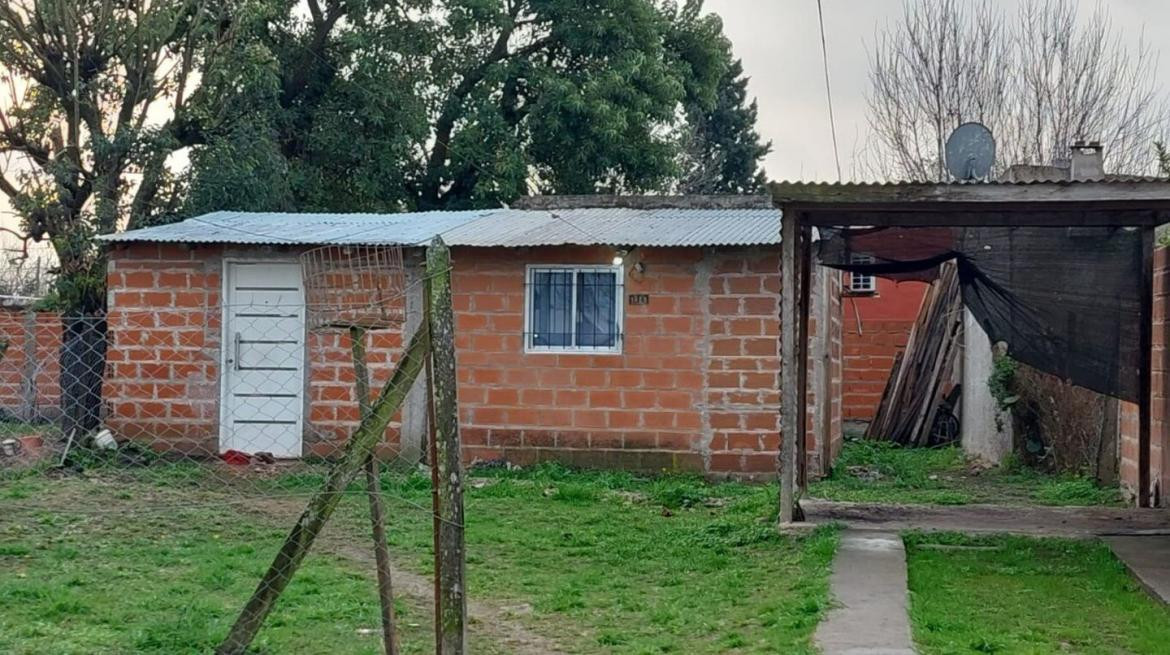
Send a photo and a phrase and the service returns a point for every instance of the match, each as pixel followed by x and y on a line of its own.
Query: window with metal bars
pixel 573 309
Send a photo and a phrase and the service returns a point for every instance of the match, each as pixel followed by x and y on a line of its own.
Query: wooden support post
pixel 1146 350
pixel 452 559
pixel 802 355
pixel 324 502
pixel 361 385
pixel 789 398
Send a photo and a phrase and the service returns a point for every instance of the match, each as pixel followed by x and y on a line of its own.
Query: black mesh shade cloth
pixel 1066 301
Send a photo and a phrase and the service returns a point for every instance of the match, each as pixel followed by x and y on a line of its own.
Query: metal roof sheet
pixel 1061 181
pixel 489 227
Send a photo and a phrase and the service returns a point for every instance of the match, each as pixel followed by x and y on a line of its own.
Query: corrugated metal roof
pixel 488 227
pixel 1107 179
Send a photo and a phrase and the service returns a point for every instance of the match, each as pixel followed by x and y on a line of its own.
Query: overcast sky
pixel 780 45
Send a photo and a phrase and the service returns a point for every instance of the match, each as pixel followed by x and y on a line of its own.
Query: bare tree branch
pixel 1040 78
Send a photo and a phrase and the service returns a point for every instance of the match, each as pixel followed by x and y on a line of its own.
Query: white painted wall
pixel 986 432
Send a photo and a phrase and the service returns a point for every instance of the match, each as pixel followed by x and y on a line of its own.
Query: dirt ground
pixel 498 624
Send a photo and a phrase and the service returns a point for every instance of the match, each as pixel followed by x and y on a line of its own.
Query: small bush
pixel 1075 491
pixel 678 492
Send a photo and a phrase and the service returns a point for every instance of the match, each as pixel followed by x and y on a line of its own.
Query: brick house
pixel 627 332
pixel 878 314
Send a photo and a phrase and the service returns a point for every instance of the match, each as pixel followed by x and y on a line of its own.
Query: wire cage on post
pixel 361 288
pixel 353 286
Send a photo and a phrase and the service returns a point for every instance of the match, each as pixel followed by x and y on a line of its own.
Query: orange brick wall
pixel 694 388
pixel 1159 431
pixel 44 369
pixel 641 408
pixel 869 358
pixel 333 409
pixel 743 366
pixel 162 358
pixel 876 327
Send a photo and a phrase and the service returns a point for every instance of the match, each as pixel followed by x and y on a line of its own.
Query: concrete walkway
pixel 1074 522
pixel 869 587
pixel 1148 559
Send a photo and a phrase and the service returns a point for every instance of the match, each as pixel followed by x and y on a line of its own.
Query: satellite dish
pixel 970 152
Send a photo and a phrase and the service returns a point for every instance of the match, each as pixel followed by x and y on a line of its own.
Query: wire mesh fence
pixel 230 366
pixel 27 270
pixel 267 396
pixel 213 401
pixel 170 405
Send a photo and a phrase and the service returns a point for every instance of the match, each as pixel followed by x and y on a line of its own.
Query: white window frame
pixel 619 313
pixel 868 282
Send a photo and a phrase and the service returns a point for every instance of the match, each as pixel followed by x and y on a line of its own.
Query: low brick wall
pixel 30 369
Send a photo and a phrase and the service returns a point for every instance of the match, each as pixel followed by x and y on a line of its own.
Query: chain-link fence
pixel 176 406
pixel 204 413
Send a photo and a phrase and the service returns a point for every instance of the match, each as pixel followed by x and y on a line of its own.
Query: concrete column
pixel 986 432
pixel 414 409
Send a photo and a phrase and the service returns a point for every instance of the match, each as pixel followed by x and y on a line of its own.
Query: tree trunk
pixel 83 362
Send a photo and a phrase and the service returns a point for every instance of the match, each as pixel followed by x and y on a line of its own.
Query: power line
pixel 828 88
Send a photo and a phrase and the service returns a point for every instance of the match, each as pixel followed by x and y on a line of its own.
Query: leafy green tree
pixel 85 151
pixel 384 106
pixel 721 150
pixel 95 98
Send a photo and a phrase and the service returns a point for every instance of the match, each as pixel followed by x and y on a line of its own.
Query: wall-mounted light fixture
pixel 630 259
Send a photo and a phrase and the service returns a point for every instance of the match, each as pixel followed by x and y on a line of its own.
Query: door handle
pixel 234 360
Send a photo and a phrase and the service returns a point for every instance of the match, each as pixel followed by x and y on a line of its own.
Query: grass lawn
pixel 596 562
pixel 1028 596
pixel 875 471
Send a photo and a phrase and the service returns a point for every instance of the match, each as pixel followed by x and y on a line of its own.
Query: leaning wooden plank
pixel 931 394
pixel 911 394
pixel 300 539
pixel 936 350
pixel 452 559
pixel 938 396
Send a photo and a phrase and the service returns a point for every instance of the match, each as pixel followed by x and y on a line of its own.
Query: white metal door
pixel 264 358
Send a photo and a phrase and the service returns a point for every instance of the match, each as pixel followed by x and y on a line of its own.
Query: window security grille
pixel 573 309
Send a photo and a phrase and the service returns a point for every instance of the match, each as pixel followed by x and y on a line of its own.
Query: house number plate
pixel 639 299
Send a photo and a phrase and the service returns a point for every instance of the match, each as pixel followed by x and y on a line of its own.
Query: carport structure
pixel 1141 204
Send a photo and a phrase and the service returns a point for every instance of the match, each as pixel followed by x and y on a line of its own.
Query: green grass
pixel 942 476
pixel 167 583
pixel 1028 596
pixel 599 562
